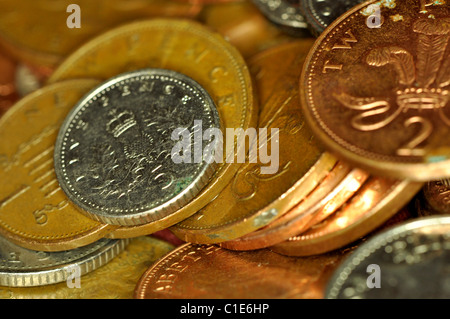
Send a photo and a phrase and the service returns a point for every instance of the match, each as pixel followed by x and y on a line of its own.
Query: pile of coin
pixel 224 149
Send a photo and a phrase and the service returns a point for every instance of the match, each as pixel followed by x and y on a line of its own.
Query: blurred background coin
pixel 407 261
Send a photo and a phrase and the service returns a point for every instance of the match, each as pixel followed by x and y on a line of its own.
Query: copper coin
pixel 377 94
pixel 210 272
pixel 377 201
pixel 329 196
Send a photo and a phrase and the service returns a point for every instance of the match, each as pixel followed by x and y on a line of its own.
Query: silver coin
pixel 113 154
pixel 319 14
pixel 408 261
pixel 284 13
pixel 21 267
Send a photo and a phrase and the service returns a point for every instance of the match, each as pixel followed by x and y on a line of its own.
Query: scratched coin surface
pixel 263 190
pixel 408 261
pixel 116 157
pixel 21 267
pixel 38 32
pixel 34 211
pixel 210 272
pixel 319 14
pixel 285 14
pixel 378 97
pixel 114 280
pixel 185 47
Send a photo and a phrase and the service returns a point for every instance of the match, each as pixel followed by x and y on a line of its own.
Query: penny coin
pixel 34 211
pixel 44 32
pixel 408 261
pixel 209 272
pixel 188 48
pixel 114 155
pixel 258 195
pixel 285 14
pixel 374 96
pixel 378 200
pixel 21 267
pixel 437 195
pixel 329 196
pixel 320 14
pixel 114 280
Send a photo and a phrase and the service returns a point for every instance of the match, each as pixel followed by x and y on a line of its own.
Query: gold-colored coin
pixel 34 211
pixel 36 31
pixel 188 48
pixel 254 199
pixel 115 280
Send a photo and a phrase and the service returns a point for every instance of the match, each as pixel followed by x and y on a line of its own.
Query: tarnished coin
pixel 319 14
pixel 188 48
pixel 378 97
pixel 116 156
pixel 285 14
pixel 21 267
pixel 408 261
pixel 34 211
pixel 209 272
pixel 114 280
pixel 437 195
pixel 378 200
pixel 266 188
pixel 44 32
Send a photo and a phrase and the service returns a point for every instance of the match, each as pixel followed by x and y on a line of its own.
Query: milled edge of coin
pixel 399 194
pixel 418 172
pixel 61 273
pixel 85 236
pixel 162 210
pixel 234 229
pixel 358 256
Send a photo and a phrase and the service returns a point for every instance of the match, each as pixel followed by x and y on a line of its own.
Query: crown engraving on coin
pixel 120 122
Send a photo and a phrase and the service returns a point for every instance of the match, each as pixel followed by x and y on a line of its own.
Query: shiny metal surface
pixel 113 155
